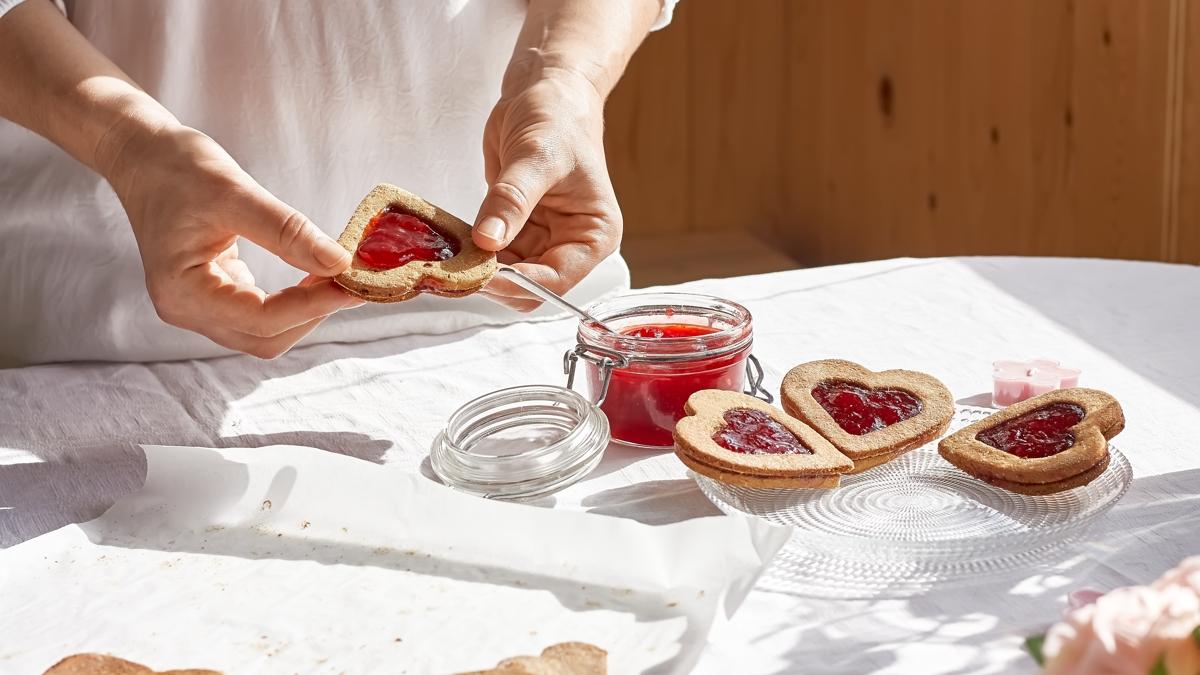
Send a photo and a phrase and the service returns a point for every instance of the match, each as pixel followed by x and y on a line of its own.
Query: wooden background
pixel 840 130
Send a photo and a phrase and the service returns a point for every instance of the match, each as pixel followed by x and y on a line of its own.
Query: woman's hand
pixel 188 202
pixel 550 210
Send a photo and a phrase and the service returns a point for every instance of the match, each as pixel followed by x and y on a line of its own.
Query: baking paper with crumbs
pixel 290 559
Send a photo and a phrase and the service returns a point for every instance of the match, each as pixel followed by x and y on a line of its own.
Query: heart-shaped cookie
pixel 403 245
pixel 1043 445
pixel 740 440
pixel 871 417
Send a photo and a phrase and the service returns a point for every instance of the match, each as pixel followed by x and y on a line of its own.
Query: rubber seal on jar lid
pixel 520 443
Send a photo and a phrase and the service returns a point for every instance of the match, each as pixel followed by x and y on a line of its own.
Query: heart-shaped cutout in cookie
pixel 1043 445
pixel 394 238
pixel 1042 432
pixel 859 410
pixel 871 417
pixel 740 440
pixel 403 245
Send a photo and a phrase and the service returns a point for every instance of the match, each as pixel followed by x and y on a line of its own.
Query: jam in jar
pixel 662 348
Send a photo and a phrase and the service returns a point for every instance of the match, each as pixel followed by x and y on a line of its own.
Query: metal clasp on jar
pixel 607 360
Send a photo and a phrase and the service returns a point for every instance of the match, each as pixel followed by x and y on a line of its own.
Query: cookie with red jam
pixel 1040 446
pixel 403 246
pixel 870 417
pixel 740 440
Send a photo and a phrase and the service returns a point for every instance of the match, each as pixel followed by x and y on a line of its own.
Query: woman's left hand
pixel 550 210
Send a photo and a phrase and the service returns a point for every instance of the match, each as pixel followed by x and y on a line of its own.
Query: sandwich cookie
pixel 1040 446
pixel 402 246
pixel 738 439
pixel 870 417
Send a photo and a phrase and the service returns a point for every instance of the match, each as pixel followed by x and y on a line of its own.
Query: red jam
pixel 1039 433
pixel 646 399
pixel 754 432
pixel 860 411
pixel 394 238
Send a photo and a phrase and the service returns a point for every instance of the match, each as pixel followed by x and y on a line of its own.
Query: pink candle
pixel 1015 381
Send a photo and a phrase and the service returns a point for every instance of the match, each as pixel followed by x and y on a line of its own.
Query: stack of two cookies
pixel 840 418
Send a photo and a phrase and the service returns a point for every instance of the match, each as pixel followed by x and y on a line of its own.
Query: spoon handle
pixel 515 276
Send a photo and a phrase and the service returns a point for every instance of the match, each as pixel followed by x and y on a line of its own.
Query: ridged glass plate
pixel 914 522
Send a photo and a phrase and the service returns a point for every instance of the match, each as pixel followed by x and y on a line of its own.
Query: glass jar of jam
pixel 662 348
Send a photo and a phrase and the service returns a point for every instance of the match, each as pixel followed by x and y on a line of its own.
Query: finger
pixel 235 267
pixel 289 234
pixel 511 198
pixel 265 348
pixel 221 302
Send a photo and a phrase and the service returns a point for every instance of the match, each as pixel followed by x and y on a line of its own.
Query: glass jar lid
pixel 520 443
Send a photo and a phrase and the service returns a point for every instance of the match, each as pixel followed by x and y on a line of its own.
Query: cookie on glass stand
pixel 1044 445
pixel 871 417
pixel 740 440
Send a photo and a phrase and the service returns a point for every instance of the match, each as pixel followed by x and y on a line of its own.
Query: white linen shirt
pixel 318 101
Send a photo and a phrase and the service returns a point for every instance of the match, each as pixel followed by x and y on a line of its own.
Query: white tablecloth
pixel 69 434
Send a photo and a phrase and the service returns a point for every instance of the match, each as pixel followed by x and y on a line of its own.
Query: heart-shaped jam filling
pixel 394 238
pixel 1039 433
pixel 859 410
pixel 753 432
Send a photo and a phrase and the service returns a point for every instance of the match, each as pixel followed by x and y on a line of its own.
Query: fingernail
pixel 492 228
pixel 330 253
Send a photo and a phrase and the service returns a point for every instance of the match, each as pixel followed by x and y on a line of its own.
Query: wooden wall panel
pixel 735 101
pixel 945 127
pixel 1184 244
pixel 693 128
pixel 858 129
pixel 646 135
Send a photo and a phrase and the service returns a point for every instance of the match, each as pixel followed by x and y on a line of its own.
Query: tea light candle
pixel 1015 381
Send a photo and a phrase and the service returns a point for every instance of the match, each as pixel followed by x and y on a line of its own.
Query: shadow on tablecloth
pixel 1147 533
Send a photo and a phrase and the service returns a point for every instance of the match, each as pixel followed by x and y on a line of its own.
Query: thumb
pixel 509 202
pixel 289 234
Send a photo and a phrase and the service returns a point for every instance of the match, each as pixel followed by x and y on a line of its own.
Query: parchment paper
pixel 289 559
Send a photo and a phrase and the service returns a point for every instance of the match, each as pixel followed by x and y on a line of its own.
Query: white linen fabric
pixel 69 433
pixel 318 101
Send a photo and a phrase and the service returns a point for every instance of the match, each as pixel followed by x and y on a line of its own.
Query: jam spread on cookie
pixel 753 432
pixel 394 238
pixel 668 330
pixel 1038 433
pixel 859 410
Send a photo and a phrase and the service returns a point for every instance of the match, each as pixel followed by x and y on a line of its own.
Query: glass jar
pixel 520 443
pixel 663 348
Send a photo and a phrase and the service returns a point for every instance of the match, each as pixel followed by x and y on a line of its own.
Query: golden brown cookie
pixel 871 417
pixel 738 439
pixel 567 658
pixel 463 274
pixel 1046 444
pixel 102 664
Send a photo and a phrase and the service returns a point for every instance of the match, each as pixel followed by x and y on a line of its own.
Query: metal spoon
pixel 515 276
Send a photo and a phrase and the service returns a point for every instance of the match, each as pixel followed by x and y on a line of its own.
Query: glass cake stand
pixel 902 527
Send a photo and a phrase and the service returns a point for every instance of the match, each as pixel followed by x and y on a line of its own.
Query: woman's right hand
pixel 188 202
